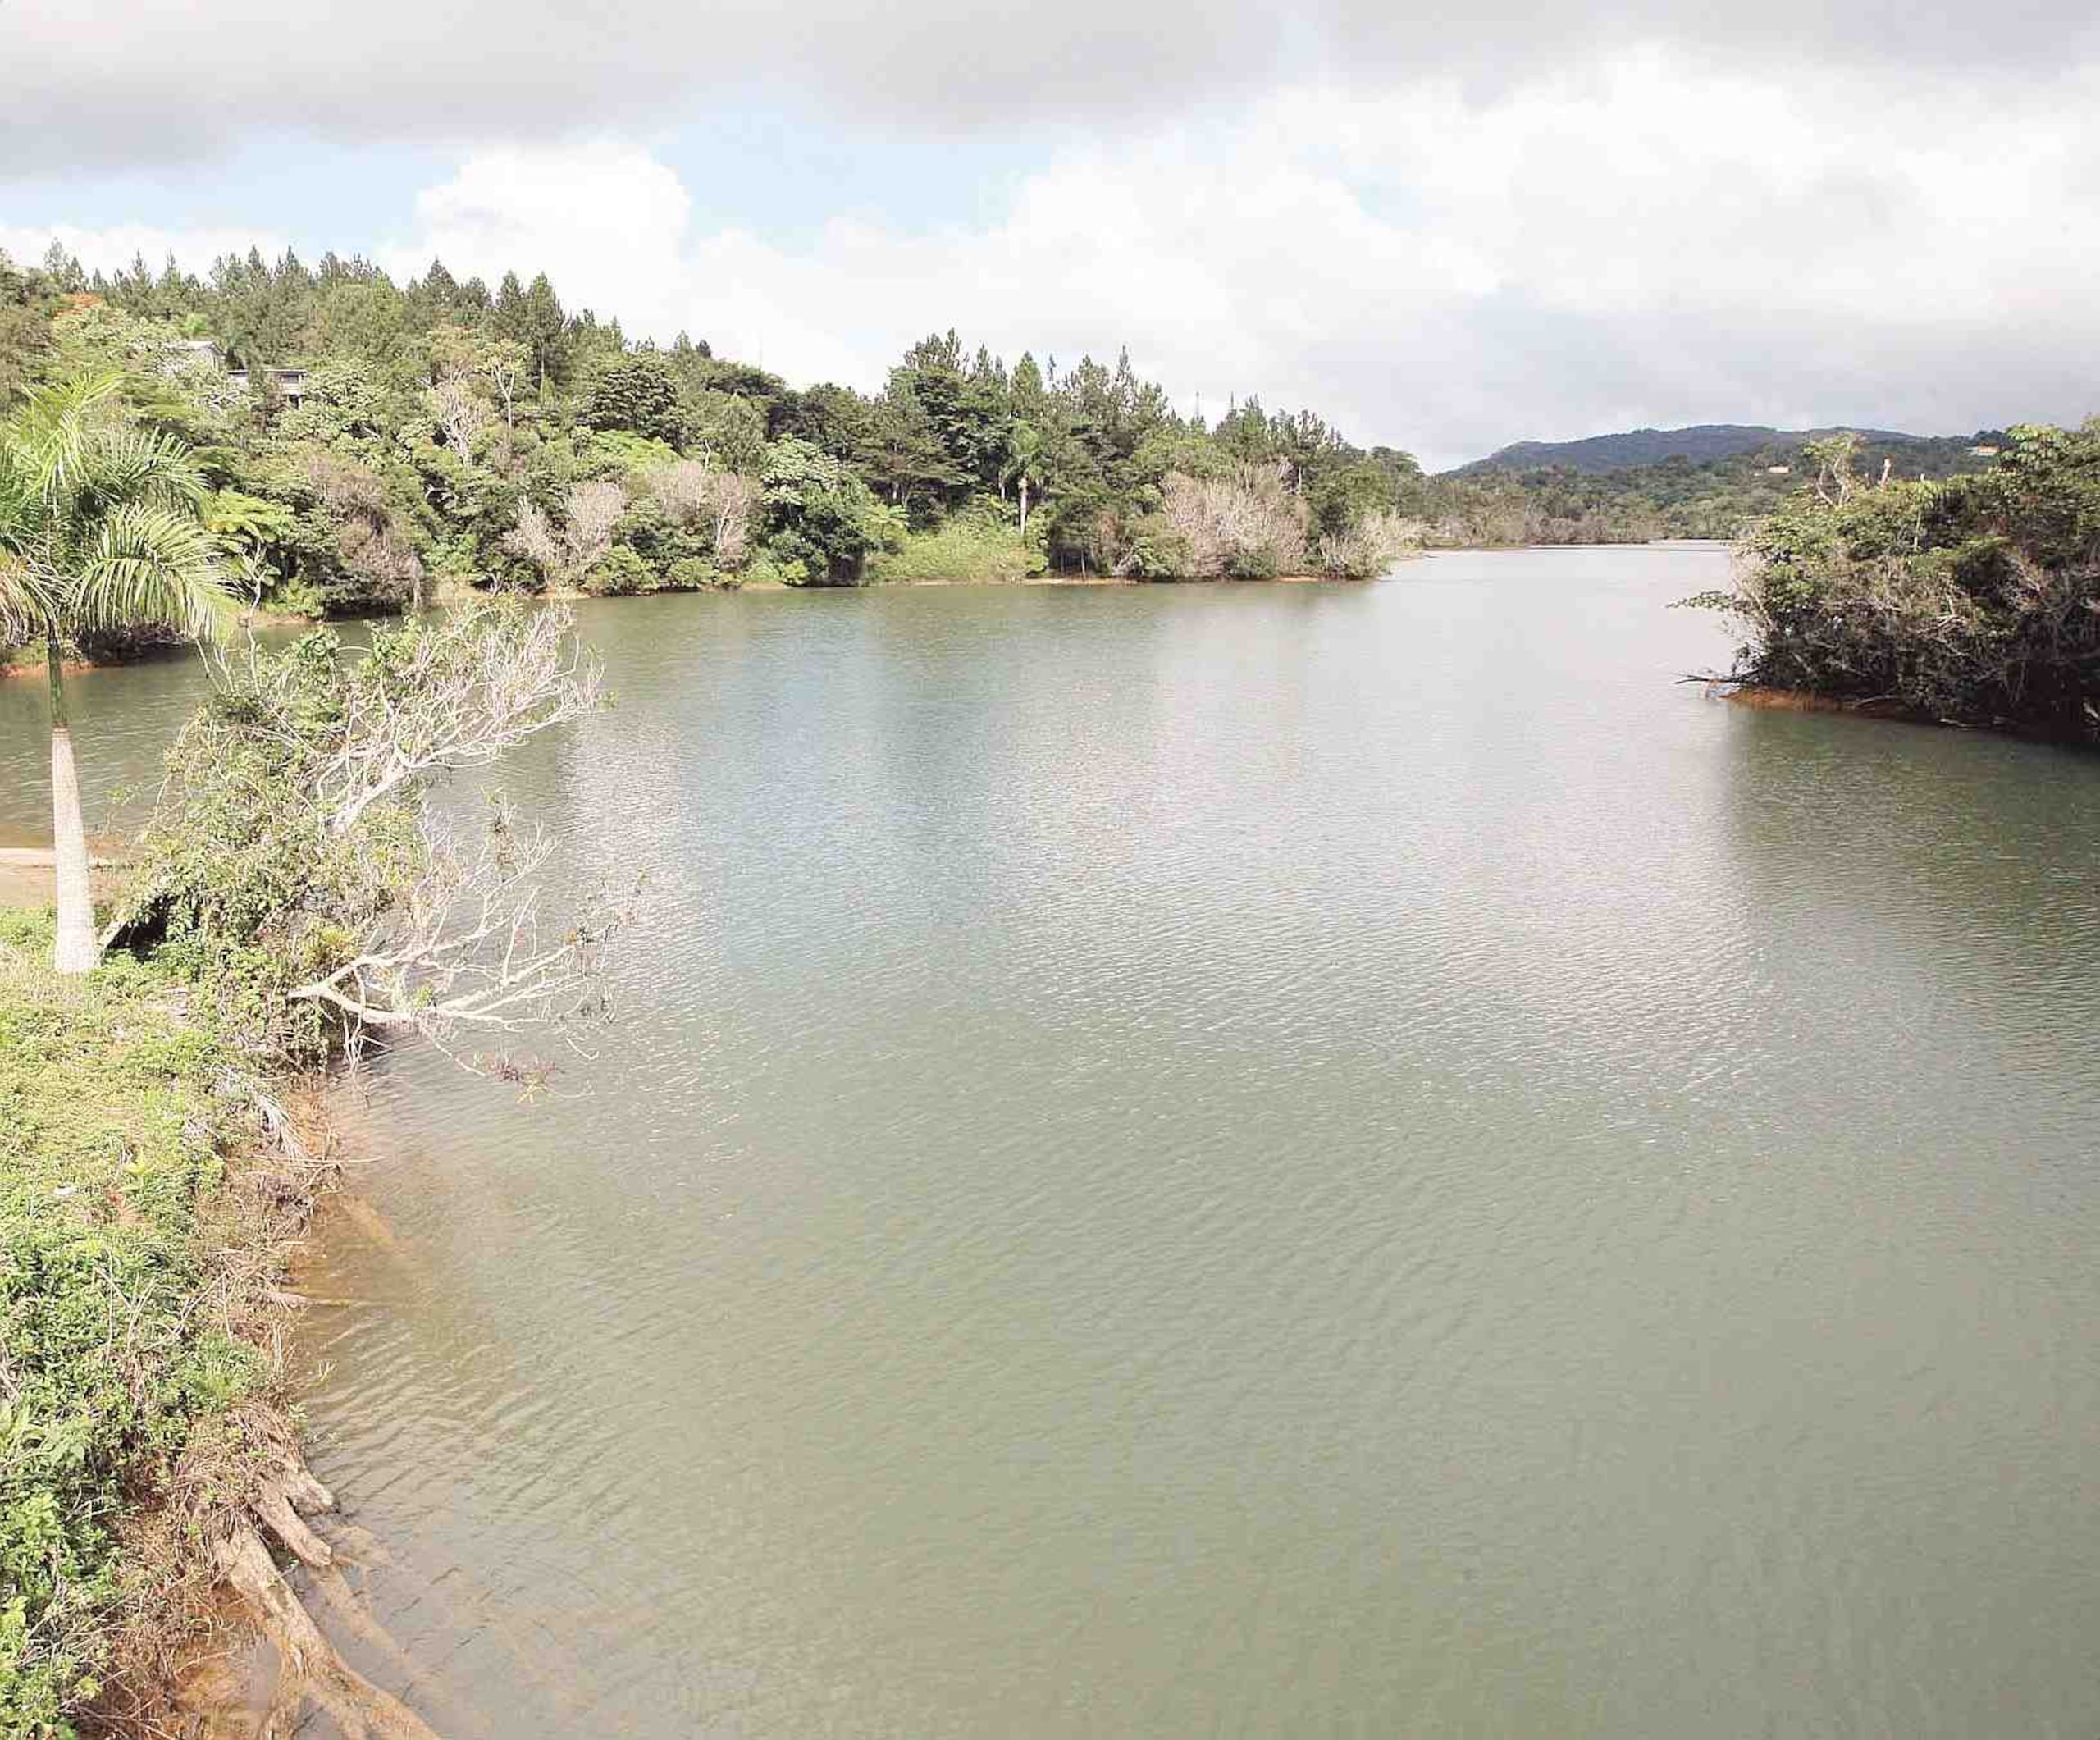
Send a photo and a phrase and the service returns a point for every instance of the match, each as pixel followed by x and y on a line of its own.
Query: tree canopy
pixel 360 441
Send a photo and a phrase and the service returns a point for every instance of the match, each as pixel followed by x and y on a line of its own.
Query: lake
pixel 1241 1160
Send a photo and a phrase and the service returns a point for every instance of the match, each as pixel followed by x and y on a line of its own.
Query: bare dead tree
pixel 565 554
pixel 504 359
pixel 1250 510
pixel 456 700
pixel 734 497
pixel 535 538
pixel 594 512
pixel 459 414
pixel 466 949
pixel 1373 545
pixel 697 492
pixel 683 489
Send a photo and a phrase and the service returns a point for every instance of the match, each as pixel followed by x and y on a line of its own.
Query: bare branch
pixel 465 948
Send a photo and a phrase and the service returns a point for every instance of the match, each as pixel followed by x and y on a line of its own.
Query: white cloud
pixel 114 80
pixel 1640 239
pixel 602 219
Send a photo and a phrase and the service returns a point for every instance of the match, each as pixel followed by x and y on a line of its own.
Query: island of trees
pixel 1974 601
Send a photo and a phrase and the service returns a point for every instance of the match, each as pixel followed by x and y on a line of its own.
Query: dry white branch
pixel 696 493
pixel 1373 545
pixel 466 948
pixel 563 556
pixel 1248 516
pixel 459 414
pixel 453 701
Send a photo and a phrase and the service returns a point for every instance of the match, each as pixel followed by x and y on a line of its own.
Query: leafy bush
pixel 696 574
pixel 973 545
pixel 818 516
pixel 621 573
pixel 769 570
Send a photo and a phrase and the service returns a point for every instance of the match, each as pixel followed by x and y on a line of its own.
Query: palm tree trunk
pixel 75 951
pixel 1024 507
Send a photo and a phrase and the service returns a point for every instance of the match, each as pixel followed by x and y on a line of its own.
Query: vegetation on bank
pixel 1973 600
pixel 142 1222
pixel 295 896
pixel 364 443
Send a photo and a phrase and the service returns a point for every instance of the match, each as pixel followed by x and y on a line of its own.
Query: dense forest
pixel 1633 449
pixel 368 444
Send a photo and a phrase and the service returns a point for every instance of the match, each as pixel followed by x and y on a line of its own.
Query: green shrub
pixel 621 573
pixel 973 545
pixel 1975 600
pixel 771 570
pixel 696 574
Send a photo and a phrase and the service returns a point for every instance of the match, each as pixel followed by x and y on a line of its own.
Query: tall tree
pixel 98 530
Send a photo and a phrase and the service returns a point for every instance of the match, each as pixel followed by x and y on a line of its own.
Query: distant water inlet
pixel 1243 1160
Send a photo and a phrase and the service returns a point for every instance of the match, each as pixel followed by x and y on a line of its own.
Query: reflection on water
pixel 1243 1160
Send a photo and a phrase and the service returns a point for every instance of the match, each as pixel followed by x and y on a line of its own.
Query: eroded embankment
pixel 1806 700
pixel 2081 737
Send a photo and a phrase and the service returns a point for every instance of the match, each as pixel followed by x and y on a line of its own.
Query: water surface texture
pixel 1241 1160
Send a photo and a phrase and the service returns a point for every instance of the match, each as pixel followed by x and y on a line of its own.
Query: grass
pixel 136 1254
pixel 969 547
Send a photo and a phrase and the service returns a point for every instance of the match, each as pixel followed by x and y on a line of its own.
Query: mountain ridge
pixel 1700 443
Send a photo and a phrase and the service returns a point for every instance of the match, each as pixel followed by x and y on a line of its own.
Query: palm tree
pixel 1024 463
pixel 98 530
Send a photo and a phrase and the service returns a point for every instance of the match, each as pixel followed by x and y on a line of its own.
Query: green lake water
pixel 1242 1160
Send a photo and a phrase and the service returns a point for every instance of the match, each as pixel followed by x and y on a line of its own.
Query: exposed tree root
pixel 313 1670
pixel 274 1509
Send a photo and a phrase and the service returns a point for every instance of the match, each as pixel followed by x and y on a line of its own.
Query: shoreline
pixel 14 667
pixel 137 1130
pixel 20 662
pixel 576 594
pixel 1764 698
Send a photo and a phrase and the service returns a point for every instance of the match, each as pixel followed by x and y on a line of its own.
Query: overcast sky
pixel 1446 228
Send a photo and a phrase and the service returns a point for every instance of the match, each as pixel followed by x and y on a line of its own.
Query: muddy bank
pixel 1806 700
pixel 1883 707
pixel 258 1662
pixel 155 1189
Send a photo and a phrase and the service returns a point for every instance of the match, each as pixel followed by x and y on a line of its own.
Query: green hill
pixel 1701 443
pixel 1707 481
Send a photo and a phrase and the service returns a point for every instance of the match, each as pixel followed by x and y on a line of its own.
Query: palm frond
pixel 55 430
pixel 127 465
pixel 149 565
pixel 28 605
pixel 20 502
